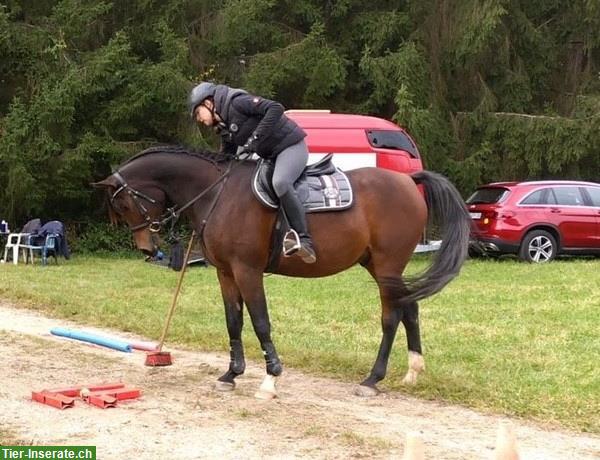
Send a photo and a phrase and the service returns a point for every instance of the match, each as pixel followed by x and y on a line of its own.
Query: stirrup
pixel 291 243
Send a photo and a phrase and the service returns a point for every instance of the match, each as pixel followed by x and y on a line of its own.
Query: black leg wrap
pixel 237 363
pixel 271 359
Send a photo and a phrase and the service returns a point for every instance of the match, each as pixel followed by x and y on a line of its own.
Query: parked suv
pixel 535 220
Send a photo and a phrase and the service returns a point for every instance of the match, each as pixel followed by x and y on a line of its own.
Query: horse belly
pixel 340 240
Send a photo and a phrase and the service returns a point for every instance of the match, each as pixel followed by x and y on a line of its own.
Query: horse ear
pixel 106 183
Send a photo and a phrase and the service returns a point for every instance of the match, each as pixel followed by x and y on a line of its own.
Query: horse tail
pixel 446 208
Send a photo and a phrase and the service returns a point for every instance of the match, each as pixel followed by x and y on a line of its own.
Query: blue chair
pixel 48 248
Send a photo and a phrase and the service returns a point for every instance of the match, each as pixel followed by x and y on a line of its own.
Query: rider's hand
pixel 250 144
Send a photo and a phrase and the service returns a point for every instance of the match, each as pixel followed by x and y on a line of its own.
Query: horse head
pixel 158 179
pixel 139 202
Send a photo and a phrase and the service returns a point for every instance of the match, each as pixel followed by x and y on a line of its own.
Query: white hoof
pixel 366 392
pixel 410 378
pixel 267 388
pixel 416 365
pixel 265 395
pixel 224 386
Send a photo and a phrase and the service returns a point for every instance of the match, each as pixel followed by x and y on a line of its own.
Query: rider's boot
pixel 295 213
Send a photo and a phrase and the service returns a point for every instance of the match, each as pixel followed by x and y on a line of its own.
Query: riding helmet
pixel 199 93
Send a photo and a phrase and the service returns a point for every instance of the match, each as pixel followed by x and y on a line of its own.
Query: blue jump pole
pixel 92 338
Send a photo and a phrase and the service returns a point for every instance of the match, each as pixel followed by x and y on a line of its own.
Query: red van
pixel 357 141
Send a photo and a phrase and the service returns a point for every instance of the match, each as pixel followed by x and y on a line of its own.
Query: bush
pixel 103 237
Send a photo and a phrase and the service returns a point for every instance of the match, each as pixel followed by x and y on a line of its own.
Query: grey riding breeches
pixel 289 165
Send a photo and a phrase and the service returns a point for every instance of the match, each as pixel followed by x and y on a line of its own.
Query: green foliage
pixel 84 83
pixel 103 237
pixel 310 64
pixel 517 146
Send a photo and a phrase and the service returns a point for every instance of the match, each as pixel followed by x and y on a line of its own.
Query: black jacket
pixel 245 115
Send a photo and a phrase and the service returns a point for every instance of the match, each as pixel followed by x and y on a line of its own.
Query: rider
pixel 259 125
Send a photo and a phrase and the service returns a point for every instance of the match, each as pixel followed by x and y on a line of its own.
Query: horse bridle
pixel 172 214
pixel 136 196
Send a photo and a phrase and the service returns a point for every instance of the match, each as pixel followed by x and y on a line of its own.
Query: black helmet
pixel 199 94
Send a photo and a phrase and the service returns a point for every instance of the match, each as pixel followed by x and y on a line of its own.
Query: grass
pixel 504 337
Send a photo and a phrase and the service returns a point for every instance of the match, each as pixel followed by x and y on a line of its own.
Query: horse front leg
pixel 251 286
pixel 232 299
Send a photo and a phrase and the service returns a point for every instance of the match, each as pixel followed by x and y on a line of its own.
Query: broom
pixel 159 357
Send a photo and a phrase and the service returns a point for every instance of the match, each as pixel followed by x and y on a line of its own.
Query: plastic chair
pixel 50 247
pixel 15 241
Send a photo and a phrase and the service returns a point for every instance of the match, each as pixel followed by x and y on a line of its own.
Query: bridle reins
pixel 173 213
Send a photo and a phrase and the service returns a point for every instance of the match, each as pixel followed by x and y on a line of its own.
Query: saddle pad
pixel 318 193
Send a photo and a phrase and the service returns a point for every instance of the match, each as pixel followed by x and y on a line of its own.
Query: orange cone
pixel 414 448
pixel 506 443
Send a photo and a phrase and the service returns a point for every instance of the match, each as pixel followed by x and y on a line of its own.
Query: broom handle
pixel 172 309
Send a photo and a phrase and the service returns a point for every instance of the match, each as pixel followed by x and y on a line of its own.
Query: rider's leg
pixel 289 165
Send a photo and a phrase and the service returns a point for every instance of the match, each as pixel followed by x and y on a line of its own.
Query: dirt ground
pixel 180 415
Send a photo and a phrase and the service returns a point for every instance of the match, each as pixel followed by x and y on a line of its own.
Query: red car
pixel 535 220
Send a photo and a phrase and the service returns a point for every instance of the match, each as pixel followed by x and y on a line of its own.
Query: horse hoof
pixel 265 395
pixel 366 392
pixel 224 386
pixel 410 378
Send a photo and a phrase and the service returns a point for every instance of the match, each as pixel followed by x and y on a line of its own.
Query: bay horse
pixel 380 232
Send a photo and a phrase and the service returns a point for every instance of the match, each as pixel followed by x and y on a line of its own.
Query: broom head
pixel 158 358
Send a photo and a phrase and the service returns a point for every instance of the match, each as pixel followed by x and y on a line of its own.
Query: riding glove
pixel 250 145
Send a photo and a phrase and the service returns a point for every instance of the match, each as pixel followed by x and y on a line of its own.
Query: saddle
pixel 321 187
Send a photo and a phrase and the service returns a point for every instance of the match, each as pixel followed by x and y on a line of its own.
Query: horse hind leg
pixel 391 316
pixel 410 321
pixel 416 363
pixel 394 310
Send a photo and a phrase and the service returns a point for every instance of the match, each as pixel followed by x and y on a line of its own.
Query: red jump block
pixel 119 393
pixel 53 399
pixel 108 397
pixel 76 390
pixel 103 396
pixel 100 400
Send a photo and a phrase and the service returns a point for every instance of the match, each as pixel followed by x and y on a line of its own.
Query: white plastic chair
pixel 14 242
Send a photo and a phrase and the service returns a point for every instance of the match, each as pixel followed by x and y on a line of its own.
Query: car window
pixel 488 195
pixel 594 193
pixel 568 196
pixel 542 196
pixel 395 140
pixel 536 197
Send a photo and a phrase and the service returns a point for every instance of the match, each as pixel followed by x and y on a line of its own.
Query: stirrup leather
pixel 291 243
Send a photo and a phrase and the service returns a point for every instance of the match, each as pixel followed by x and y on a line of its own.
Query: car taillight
pixel 488 216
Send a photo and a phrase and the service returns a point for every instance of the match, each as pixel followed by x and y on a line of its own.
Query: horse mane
pixel 213 157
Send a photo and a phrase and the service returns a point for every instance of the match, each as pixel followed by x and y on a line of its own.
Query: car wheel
pixel 474 252
pixel 538 246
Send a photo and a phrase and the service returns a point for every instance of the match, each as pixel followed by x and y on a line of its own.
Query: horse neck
pixel 181 177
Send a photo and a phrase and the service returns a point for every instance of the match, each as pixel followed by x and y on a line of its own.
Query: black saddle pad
pixel 321 187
